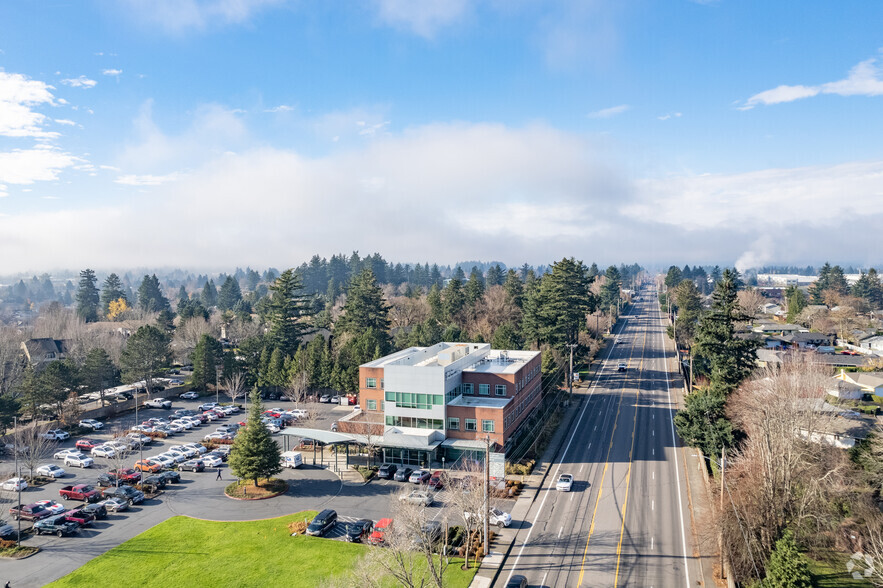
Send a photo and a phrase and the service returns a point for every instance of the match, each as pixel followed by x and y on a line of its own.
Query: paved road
pixel 626 521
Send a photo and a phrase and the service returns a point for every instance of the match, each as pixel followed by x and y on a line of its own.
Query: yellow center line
pixel 582 567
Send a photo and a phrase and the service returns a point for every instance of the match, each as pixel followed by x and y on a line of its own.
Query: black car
pixel 170 476
pixel 193 465
pixel 323 523
pixel 403 474
pixel 97 510
pixel 184 412
pixel 387 471
pixel 126 395
pixel 359 531
pixel 155 481
pixel 517 581
pixel 57 524
pixel 127 493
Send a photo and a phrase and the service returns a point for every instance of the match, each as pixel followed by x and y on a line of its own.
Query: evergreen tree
pixel 288 306
pixel 703 423
pixel 182 295
pixel 507 337
pixel 365 309
pixel 822 283
pixel 88 297
pixel 787 567
pixel 436 306
pixel 796 301
pixel 255 454
pixel 209 294
pixel 453 298
pixel 495 275
pixel 150 296
pixel 58 379
pixel 229 294
pixel 837 281
pixel 674 277
pixel 474 289
pixel 435 276
pixel 868 288
pixel 99 372
pixel 689 304
pixel 724 358
pixel 147 353
pixel 715 276
pixel 610 291
pixel 567 300
pixel 206 357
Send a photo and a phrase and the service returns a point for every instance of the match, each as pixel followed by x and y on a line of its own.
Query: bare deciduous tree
pixel 751 301
pixel 469 502
pixel 187 335
pixel 234 386
pixel 32 447
pixel 296 388
pixel 12 360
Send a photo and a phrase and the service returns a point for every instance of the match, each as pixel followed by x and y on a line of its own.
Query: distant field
pixel 190 552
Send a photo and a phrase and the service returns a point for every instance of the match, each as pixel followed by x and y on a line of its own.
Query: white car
pixel 121 447
pixel 103 451
pixel 298 413
pixel 14 484
pixel 165 460
pixel 52 506
pixel 186 451
pixel 51 470
pixel 175 428
pixel 79 460
pixel 138 439
pixel 65 452
pixel 158 403
pixel 497 517
pixel 195 421
pixel 212 461
pixel 230 409
pixel 91 424
pixel 211 415
pixel 565 483
pixel 182 423
pixel 218 435
pixel 177 456
pixel 56 435
pixel 207 406
pixel 197 447
pixel 190 395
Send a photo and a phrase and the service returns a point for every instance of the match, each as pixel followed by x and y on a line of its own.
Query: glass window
pixel 487 426
pixel 470 424
pixel 391 421
pixel 390 396
pixel 467 388
pixel 381 405
pixel 372 405
pixel 484 389
pixel 454 424
pixel 500 389
pixel 381 383
pixel 370 382
pixel 438 399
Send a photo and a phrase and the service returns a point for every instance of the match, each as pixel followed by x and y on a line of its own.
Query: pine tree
pixel 209 294
pixel 98 372
pixel 229 294
pixel 566 300
pixel 365 310
pixel 796 301
pixel 703 423
pixel 453 298
pixel 255 454
pixel 147 353
pixel 514 288
pixel 474 289
pixel 88 297
pixel 206 357
pixel 287 307
pixel 150 296
pixel 610 291
pixel 495 275
pixel 787 567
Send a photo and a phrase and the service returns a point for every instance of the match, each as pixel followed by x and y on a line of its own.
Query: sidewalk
pixel 503 543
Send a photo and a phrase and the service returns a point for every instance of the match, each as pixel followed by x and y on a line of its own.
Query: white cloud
pixel 80 82
pixel 669 115
pixel 609 112
pixel 18 96
pixel 147 179
pixel 26 166
pixel 424 18
pixel 865 79
pixel 280 108
pixel 112 72
pixel 180 16
pixel 65 121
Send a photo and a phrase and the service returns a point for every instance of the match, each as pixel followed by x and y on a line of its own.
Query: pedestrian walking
pixel 219 474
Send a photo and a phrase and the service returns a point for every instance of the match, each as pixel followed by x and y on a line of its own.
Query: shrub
pixel 299 527
pixel 6 544
pixel 155 435
pixel 522 468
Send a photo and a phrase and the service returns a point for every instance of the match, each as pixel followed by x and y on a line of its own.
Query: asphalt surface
pixel 625 522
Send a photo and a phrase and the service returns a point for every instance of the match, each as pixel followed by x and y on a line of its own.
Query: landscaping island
pixel 246 490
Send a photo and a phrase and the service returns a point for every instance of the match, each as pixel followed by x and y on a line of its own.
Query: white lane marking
pixel 581 468
pixel 651 543
pixel 543 582
pixel 652 505
pixel 590 446
pixel 560 531
pixel 653 432
pixel 595 428
pixel 653 475
pixel 677 473
pixel 572 495
pixel 654 451
pixel 558 469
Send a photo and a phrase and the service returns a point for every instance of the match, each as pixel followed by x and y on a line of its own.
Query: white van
pixel 292 459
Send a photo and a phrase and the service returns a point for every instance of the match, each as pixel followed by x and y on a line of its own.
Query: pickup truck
pixel 57 524
pixel 158 403
pixel 29 512
pixel 79 516
pixel 126 493
pixel 82 492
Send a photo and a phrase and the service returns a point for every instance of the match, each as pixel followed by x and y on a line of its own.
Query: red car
pixel 125 475
pixel 382 526
pixel 437 480
pixel 273 413
pixel 86 444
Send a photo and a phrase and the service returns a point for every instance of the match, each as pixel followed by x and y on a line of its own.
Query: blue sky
pixel 205 133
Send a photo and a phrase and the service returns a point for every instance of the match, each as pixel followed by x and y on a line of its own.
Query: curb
pixel 287 486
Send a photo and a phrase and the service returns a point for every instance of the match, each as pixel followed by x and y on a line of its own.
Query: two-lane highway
pixel 625 522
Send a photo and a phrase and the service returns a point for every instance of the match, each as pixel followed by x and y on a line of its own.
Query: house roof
pixel 843 385
pixel 866 379
pixel 805 337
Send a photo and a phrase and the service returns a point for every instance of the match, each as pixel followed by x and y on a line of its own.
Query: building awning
pixel 465 444
pixel 320 435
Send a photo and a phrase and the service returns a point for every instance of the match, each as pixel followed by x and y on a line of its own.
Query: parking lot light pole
pixel 17 473
pixel 217 384
pixel 487 490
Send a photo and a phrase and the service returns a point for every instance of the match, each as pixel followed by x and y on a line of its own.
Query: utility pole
pixel 487 473
pixel 720 531
pixel 572 346
pixel 18 475
pixel 217 384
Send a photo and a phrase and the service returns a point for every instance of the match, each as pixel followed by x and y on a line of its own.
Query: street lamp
pixel 18 474
pixel 217 384
pixel 487 473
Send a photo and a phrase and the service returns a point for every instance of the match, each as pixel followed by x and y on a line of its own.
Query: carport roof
pixel 320 435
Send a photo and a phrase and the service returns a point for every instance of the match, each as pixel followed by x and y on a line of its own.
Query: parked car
pixel 323 523
pixel 176 455
pixel 186 425
pixel 182 412
pixel 50 471
pixel 125 475
pixel 7 531
pixel 155 482
pixel 417 497
pixel 325 398
pixel 164 460
pixel 565 483
pixel 419 477
pixel 199 448
pixel 183 449
pixel 211 460
pixel 55 435
pixel 207 406
pixel 402 474
pixel 359 531
pixel 170 477
pixel 496 517
pixel 14 484
pixel 115 504
pixel 79 516
pixel 430 533
pixel 380 529
pixel 79 460
pixel 29 512
pixel 137 439
pixel 83 492
pixel 57 525
pixel 96 509
pixel 193 465
pixel 103 451
pixel 158 403
pixel 91 424
pixel 191 395
pixel 218 435
pixel 65 452
pixel 127 493
pixel 437 480
pixel 387 471
pixel 148 465
pixel 86 444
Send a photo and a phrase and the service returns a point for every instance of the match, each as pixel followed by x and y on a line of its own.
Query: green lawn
pixel 190 552
pixel 829 571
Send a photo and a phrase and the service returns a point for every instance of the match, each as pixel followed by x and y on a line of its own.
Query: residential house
pixel 872 343
pixel 40 352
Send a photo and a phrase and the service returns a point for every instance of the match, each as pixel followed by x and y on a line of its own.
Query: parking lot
pixel 198 495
